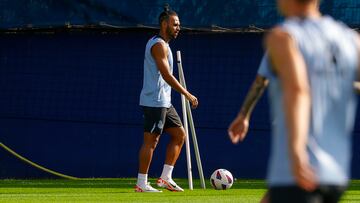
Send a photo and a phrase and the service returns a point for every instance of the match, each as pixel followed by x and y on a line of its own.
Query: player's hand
pixel 303 172
pixel 238 129
pixel 193 100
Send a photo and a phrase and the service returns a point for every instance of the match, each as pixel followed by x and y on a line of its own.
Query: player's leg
pixel 145 157
pixel 173 127
pixel 154 119
pixel 146 151
pixel 177 138
pixel 172 153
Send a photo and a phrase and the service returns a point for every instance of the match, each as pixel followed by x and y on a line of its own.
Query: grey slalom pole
pixel 192 127
pixel 185 120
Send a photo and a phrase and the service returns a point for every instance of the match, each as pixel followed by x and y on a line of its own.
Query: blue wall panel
pixel 70 103
pixel 194 14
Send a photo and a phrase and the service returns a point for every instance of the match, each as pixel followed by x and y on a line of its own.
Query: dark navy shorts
pixel 294 194
pixel 156 119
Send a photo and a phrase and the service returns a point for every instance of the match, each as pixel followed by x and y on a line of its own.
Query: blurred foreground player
pixel 311 63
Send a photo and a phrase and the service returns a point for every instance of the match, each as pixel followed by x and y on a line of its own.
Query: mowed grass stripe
pixel 121 190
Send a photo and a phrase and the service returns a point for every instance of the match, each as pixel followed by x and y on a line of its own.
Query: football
pixel 221 179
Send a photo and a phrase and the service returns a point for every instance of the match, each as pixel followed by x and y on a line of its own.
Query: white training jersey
pixel 155 92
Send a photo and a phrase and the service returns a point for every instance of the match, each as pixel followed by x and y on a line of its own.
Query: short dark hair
pixel 166 13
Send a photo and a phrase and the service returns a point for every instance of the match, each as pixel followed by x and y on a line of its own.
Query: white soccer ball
pixel 221 179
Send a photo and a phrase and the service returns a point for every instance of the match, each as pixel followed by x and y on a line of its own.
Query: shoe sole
pixel 138 189
pixel 162 183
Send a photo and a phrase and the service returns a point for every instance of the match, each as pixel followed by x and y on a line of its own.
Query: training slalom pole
pixel 191 122
pixel 196 146
pixel 185 120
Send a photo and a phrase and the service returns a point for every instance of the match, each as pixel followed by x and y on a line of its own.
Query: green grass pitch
pixel 121 190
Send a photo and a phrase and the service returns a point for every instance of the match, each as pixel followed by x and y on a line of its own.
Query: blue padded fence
pixel 69 101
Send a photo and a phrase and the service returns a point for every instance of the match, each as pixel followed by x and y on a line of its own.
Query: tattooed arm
pixel 239 127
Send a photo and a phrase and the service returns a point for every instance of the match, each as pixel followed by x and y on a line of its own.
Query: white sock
pixel 167 172
pixel 142 179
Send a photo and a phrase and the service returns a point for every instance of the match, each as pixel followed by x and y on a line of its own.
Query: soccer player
pixel 155 99
pixel 311 63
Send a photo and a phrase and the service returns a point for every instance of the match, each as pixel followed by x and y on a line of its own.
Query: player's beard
pixel 171 34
